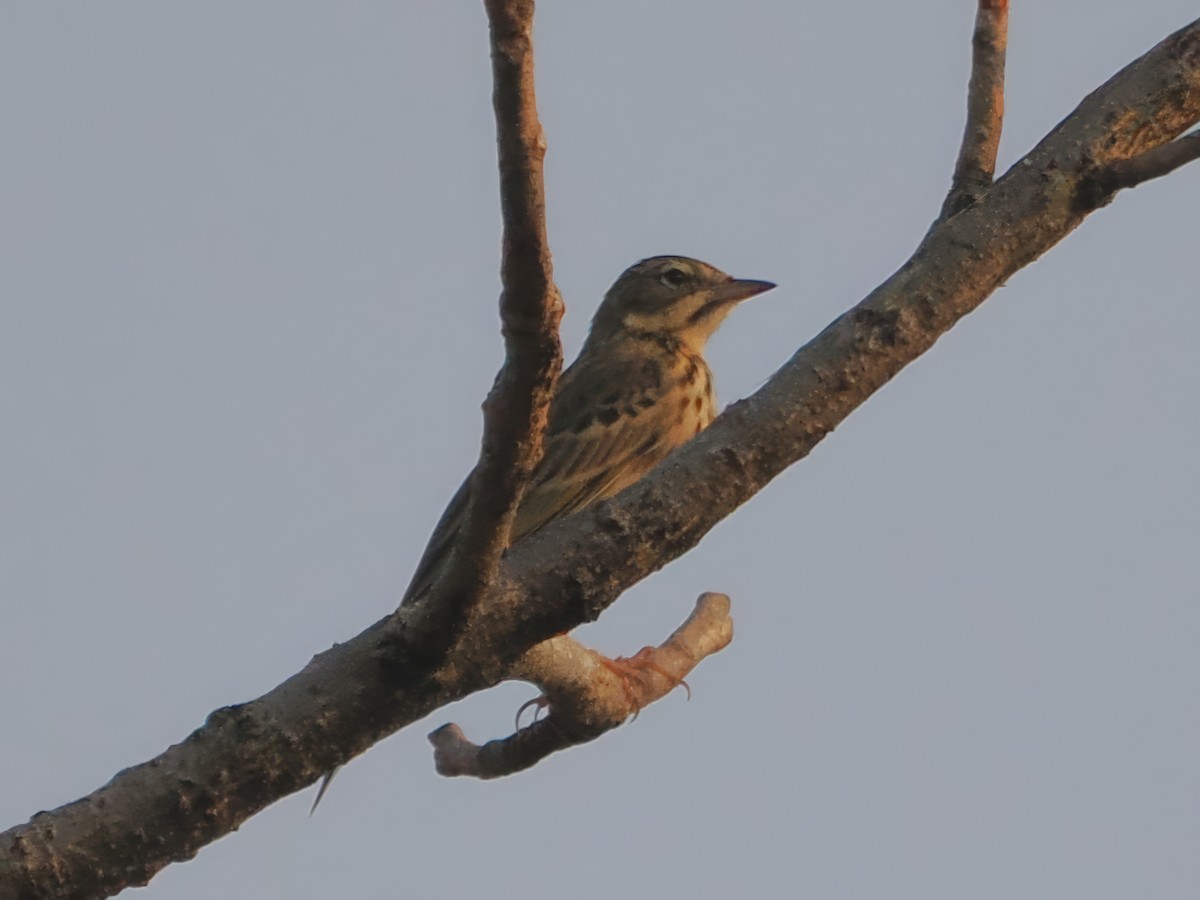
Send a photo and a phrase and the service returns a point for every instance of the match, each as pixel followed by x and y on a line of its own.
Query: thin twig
pixel 586 697
pixel 976 165
pixel 1154 163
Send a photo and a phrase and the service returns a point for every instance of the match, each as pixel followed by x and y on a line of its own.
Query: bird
pixel 639 388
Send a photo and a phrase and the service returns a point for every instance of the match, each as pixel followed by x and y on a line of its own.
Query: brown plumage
pixel 639 388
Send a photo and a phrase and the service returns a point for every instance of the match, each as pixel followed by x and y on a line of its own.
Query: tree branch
pixel 572 571
pixel 1154 163
pixel 976 165
pixel 248 756
pixel 516 409
pixel 586 697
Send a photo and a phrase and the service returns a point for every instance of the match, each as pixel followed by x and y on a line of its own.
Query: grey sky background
pixel 248 259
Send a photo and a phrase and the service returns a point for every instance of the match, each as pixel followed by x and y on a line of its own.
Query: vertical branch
pixel 516 409
pixel 976 164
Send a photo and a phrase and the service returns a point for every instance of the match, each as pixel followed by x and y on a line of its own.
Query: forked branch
pixel 976 165
pixel 516 409
pixel 248 756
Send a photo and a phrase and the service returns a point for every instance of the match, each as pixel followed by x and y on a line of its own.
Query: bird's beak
pixel 735 290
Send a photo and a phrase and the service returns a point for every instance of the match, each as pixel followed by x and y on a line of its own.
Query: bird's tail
pixel 323 788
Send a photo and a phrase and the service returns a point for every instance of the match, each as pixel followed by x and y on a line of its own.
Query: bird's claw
pixel 538 703
pixel 629 669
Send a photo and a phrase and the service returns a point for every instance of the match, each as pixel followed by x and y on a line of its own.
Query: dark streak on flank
pixel 649 444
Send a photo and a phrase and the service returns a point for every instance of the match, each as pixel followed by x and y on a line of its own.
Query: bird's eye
pixel 674 277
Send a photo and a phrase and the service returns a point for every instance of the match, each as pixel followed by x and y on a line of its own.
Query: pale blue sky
pixel 248 260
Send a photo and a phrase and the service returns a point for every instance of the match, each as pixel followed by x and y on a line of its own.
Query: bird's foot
pixel 631 670
pixel 538 703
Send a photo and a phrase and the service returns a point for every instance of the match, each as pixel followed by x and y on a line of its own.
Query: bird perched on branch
pixel 639 388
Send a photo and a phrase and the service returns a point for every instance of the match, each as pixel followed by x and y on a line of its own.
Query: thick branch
pixel 586 696
pixel 976 165
pixel 248 756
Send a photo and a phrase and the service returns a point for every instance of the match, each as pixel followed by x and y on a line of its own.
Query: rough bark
pixel 516 409
pixel 976 164
pixel 246 757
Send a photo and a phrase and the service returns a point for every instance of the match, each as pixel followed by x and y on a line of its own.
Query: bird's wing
pixel 440 542
pixel 605 432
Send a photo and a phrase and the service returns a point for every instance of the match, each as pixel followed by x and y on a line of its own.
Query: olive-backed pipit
pixel 639 388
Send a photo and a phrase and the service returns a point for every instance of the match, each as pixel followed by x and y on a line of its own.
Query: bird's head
pixel 675 295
